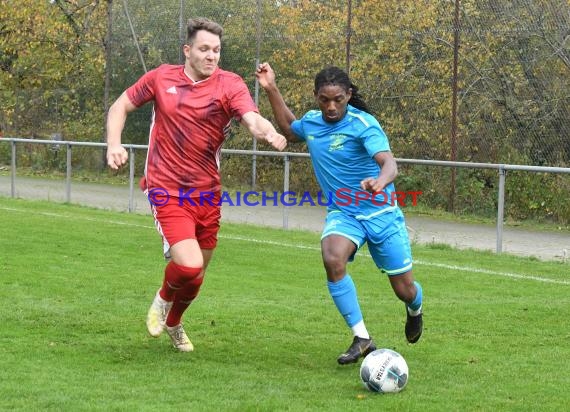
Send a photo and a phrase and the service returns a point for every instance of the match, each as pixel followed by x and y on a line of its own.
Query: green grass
pixel 443 215
pixel 104 176
pixel 76 283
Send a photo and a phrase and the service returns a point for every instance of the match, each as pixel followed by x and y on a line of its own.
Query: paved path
pixel 543 245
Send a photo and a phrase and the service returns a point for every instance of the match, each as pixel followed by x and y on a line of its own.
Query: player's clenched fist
pixel 116 156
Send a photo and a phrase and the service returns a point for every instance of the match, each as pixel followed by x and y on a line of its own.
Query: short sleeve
pixel 239 99
pixel 375 140
pixel 297 128
pixel 143 90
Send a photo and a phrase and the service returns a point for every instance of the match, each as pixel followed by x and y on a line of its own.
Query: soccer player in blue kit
pixel 354 166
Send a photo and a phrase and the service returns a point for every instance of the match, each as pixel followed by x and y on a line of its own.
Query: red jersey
pixel 189 125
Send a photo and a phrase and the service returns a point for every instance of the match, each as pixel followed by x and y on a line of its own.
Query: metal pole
pixel 456 24
pixel 107 87
pixel 348 35
pixel 181 36
pixel 256 94
pixel 286 168
pixel 134 35
pixel 13 170
pixel 501 208
pixel 254 145
pixel 131 178
pixel 68 174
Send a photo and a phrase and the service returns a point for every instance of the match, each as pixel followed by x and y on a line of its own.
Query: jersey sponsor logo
pixel 337 142
pixel 171 90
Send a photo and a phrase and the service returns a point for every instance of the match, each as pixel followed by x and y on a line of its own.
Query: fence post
pixel 13 170
pixel 254 140
pixel 68 174
pixel 131 177
pixel 501 208
pixel 286 167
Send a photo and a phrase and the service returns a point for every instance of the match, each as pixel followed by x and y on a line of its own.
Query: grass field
pixel 76 283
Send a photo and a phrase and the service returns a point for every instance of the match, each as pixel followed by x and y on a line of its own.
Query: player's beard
pixel 208 69
pixel 201 71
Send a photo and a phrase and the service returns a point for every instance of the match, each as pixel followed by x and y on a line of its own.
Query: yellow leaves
pixel 44 58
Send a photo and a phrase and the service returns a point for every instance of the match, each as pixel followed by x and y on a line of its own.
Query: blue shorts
pixel 386 235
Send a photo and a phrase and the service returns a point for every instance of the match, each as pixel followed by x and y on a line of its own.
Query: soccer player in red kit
pixel 194 104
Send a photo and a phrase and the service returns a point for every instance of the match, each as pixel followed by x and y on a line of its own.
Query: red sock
pixel 183 299
pixel 175 276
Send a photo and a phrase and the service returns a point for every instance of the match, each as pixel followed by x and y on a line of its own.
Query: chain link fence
pixel 513 66
pixel 475 81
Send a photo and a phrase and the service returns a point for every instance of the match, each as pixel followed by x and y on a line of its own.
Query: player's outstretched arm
pixel 263 130
pixel 116 154
pixel 283 115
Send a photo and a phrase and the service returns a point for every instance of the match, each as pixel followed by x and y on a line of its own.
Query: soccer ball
pixel 384 371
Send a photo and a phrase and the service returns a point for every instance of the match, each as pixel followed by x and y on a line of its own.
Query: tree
pixel 51 65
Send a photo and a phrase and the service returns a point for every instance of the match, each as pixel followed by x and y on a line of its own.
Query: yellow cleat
pixel 156 316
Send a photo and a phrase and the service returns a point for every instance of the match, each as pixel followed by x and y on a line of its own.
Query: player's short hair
pixel 202 23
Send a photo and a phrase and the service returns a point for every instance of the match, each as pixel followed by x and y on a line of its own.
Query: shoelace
pixel 180 336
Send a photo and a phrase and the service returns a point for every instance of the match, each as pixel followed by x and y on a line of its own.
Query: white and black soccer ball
pixel 384 371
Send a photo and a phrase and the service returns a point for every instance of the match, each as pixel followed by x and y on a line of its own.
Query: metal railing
pixel 287 156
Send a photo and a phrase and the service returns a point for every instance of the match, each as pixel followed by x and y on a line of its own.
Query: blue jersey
pixel 342 154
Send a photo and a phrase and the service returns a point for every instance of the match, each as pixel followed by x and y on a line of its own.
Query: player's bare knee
pixel 403 287
pixel 334 265
pixel 405 294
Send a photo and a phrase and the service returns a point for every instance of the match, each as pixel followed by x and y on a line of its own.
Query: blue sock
pixel 417 302
pixel 344 296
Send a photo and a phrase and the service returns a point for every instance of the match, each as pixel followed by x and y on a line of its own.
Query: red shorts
pixel 178 219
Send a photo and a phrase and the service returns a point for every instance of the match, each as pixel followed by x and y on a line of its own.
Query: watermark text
pixel 342 197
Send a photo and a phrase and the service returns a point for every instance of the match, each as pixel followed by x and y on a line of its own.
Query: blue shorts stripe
pixel 395 272
pixel 335 232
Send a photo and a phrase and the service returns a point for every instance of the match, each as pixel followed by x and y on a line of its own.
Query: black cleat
pixel 414 327
pixel 360 347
